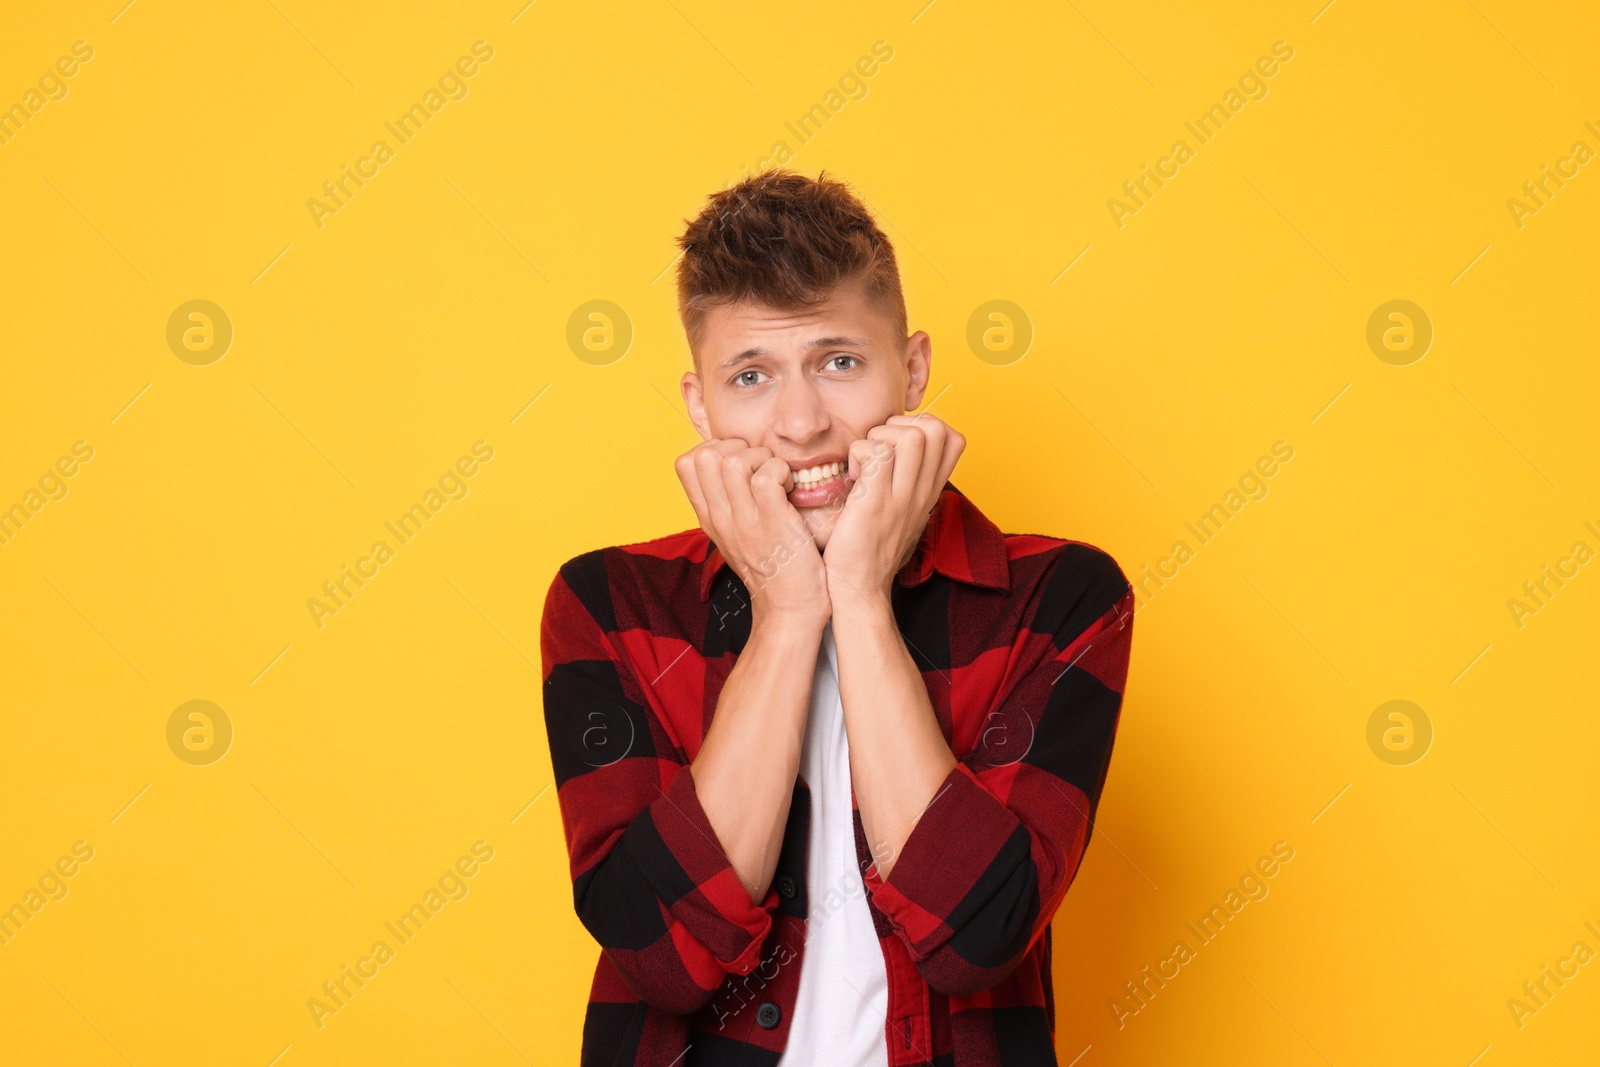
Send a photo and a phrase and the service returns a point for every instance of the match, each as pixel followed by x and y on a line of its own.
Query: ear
pixel 919 363
pixel 694 399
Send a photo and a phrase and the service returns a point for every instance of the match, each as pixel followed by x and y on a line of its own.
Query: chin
pixel 820 522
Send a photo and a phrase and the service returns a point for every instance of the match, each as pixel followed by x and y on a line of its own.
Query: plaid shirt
pixel 1023 644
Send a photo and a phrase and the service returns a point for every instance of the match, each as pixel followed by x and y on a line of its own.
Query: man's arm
pixel 745 771
pixel 746 768
pixel 671 862
pixel 972 856
pixel 650 881
pixel 983 857
pixel 898 757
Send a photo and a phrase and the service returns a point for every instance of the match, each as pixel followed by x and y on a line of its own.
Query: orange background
pixel 370 348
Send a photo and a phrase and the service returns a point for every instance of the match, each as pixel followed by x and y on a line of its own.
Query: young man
pixel 827 764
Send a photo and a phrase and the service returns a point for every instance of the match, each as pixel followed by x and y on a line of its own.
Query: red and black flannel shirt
pixel 1023 643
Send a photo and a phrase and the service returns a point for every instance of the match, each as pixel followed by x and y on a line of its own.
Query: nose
pixel 800 416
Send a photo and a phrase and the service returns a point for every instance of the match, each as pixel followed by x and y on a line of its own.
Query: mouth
pixel 819 484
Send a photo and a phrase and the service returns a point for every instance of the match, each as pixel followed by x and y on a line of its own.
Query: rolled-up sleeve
pixel 651 882
pixel 991 857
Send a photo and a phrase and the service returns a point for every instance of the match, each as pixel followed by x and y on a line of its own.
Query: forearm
pixel 745 771
pixel 898 756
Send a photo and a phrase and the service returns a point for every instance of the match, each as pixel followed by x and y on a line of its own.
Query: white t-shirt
pixel 843 1001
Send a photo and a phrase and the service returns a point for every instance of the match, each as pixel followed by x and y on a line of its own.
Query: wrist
pixel 853 597
pixel 800 621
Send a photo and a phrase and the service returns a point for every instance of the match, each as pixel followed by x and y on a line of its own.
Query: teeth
pixel 811 476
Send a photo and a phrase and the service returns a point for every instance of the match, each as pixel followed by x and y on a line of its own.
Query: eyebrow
pixel 820 342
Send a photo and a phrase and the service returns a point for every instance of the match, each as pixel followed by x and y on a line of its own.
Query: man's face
pixel 806 384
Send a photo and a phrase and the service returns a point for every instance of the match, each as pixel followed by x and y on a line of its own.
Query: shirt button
pixel 786 887
pixel 768 1015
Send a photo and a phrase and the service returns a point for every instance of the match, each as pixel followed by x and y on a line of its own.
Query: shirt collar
pixel 959 542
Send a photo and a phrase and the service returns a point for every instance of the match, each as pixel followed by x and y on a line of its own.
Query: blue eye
pixel 853 361
pixel 746 377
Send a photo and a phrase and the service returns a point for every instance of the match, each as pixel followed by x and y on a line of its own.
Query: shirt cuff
pixel 954 842
pixel 694 878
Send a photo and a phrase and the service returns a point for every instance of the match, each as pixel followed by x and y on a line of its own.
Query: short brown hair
pixel 781 239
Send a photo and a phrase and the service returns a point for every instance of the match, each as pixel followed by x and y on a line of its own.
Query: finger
pixel 738 459
pixel 708 467
pixel 749 459
pixel 930 478
pixel 939 433
pixel 691 487
pixel 770 484
pixel 871 467
pixel 909 445
pixel 879 450
pixel 736 483
pixel 954 445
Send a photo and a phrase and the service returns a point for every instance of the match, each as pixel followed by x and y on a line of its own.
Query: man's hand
pixel 744 773
pixel 899 471
pixel 740 495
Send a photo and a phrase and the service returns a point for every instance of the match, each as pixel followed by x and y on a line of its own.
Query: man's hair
pixel 783 240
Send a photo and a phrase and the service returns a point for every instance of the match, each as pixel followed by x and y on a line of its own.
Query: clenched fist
pixel 897 474
pixel 740 495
